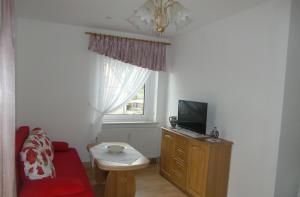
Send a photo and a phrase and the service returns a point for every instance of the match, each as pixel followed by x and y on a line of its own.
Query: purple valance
pixel 145 54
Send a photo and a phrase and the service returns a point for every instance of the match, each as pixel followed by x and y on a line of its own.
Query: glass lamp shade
pixel 143 17
pixel 151 17
pixel 179 16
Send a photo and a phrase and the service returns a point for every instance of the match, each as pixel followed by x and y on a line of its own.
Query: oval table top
pixel 141 162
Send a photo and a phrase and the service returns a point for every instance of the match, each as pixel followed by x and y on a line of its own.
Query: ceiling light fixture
pixel 157 15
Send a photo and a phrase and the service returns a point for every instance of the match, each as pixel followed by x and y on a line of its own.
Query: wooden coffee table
pixel 120 182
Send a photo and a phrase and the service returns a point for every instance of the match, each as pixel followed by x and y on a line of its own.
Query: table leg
pixel 120 184
pixel 100 175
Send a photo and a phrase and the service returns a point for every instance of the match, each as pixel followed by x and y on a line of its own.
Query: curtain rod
pixel 151 41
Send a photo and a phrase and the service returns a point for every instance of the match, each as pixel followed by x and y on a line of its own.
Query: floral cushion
pixel 37 155
pixel 37 165
pixel 41 138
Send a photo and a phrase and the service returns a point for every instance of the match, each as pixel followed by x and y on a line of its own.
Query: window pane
pixel 134 107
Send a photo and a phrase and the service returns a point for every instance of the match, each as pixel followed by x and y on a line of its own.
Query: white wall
pixel 54 85
pixel 237 65
pixel 288 171
pixel 144 137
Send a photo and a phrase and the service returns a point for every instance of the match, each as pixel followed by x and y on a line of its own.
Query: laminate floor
pixel 148 184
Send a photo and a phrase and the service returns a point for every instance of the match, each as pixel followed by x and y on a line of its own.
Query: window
pixel 134 107
pixel 140 108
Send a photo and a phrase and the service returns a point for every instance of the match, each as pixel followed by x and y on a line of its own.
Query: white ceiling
pixel 96 13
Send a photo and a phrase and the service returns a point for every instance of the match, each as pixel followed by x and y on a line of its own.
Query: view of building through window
pixel 135 106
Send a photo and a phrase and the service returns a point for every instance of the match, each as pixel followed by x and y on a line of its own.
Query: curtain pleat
pixel 150 55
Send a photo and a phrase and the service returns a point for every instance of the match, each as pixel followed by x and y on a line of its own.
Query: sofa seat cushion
pixel 52 187
pixel 68 165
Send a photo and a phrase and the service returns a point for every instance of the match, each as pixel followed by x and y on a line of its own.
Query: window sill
pixel 138 124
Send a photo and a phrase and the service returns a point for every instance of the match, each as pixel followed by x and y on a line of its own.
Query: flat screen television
pixel 192 116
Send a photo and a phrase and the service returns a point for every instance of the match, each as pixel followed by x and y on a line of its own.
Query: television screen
pixel 192 115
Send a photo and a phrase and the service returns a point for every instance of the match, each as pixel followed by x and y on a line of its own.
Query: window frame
pixel 149 105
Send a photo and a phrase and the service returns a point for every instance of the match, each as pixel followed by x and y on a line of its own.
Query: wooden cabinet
pixel 198 167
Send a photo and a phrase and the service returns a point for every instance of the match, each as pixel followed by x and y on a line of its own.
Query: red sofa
pixel 71 179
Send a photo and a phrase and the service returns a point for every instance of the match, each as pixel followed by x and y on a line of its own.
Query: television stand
pixel 189 133
pixel 198 167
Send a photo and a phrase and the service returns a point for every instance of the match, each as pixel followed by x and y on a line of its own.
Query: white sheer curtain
pixel 7 101
pixel 116 83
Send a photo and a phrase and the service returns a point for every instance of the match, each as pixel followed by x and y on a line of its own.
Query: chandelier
pixel 157 15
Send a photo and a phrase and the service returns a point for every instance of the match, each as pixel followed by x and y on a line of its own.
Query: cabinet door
pixel 197 169
pixel 167 152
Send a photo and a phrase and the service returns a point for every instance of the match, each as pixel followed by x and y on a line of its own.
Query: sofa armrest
pixel 52 187
pixel 60 146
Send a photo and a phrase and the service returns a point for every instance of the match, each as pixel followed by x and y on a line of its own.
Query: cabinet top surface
pixel 207 139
